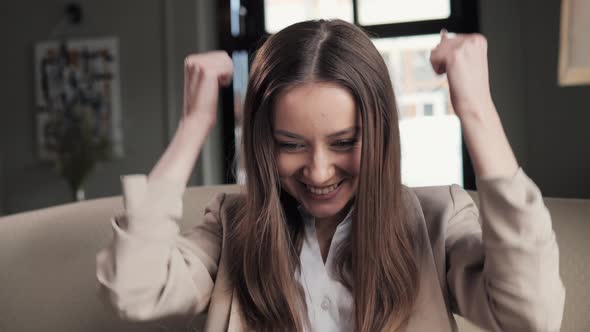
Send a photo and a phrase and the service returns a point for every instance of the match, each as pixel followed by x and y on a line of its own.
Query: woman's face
pixel 317 133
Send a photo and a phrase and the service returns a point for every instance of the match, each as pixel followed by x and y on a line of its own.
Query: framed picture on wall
pixel 574 43
pixel 77 84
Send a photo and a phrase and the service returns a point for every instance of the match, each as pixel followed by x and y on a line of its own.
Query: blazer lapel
pixel 430 311
pixel 218 316
pixel 235 318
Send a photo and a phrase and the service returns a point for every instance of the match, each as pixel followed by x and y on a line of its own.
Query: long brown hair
pixel 377 261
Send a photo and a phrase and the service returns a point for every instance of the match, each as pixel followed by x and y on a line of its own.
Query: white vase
pixel 80 195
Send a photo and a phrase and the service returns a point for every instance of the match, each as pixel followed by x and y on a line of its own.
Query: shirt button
pixel 326 303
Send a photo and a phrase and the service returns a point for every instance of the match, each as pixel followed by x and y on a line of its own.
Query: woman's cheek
pixel 285 164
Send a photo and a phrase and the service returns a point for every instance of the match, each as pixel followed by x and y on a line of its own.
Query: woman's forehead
pixel 319 106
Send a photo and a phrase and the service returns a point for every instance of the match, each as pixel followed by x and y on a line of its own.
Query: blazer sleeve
pixel 149 270
pixel 503 275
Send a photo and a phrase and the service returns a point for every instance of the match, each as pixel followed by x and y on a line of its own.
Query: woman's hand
pixel 464 59
pixel 203 74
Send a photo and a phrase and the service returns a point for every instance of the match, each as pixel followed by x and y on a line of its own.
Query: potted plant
pixel 76 146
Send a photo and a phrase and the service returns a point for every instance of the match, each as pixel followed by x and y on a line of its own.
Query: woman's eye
pixel 344 144
pixel 290 147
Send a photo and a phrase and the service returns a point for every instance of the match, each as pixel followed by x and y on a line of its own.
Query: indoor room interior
pixel 94 91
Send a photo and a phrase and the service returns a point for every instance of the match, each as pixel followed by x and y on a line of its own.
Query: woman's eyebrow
pixel 287 134
pixel 342 132
pixel 346 131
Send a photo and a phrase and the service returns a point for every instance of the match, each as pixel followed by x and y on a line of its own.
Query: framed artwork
pixel 77 83
pixel 574 43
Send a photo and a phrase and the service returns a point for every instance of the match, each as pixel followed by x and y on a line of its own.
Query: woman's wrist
pixel 488 146
pixel 178 161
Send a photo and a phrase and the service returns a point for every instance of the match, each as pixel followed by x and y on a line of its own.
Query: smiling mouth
pixel 322 190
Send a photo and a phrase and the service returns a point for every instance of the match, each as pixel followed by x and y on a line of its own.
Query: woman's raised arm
pixel 203 74
pixel 149 270
pixel 503 261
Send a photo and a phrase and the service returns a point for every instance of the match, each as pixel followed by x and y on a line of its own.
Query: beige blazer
pixel 497 266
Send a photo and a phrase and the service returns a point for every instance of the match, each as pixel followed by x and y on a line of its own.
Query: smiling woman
pixel 325 237
pixel 302 92
pixel 318 161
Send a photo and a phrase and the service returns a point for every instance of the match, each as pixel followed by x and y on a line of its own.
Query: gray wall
pixel 559 117
pixel 150 73
pixel 546 124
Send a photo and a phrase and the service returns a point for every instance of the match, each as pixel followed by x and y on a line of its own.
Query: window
pixel 405 32
pixel 428 110
pixel 282 13
pixel 430 133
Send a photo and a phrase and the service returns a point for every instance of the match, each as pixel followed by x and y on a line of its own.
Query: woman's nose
pixel 320 169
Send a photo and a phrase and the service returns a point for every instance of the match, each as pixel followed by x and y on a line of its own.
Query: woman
pixel 325 237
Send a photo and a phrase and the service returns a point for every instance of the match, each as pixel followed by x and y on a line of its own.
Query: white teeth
pixel 324 190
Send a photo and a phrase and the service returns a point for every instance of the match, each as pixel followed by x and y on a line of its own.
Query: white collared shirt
pixel 329 303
